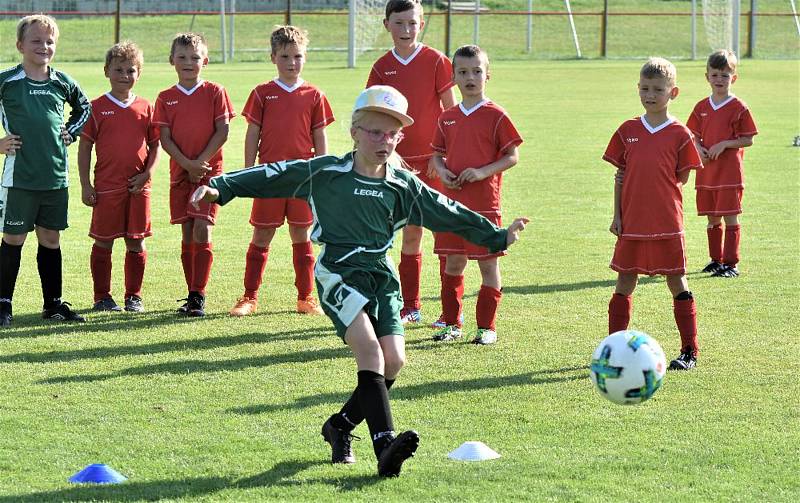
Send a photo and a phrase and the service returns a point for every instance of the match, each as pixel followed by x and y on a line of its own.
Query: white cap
pixel 384 99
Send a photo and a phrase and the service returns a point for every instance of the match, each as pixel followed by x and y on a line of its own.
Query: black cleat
pixel 727 271
pixel 196 305
pixel 393 455
pixel 107 304
pixel 133 304
pixel 5 314
pixel 340 440
pixel 712 267
pixel 686 361
pixel 62 312
pixel 184 309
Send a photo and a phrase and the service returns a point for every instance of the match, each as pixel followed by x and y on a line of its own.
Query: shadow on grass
pixel 417 391
pixel 281 475
pixel 164 347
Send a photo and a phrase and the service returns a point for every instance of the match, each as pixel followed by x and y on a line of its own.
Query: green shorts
pixel 21 210
pixel 361 283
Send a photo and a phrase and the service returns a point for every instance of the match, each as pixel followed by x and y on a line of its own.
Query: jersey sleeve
pixel 688 156
pixel 89 131
pixel 223 108
pixel 506 134
pixel 322 114
pixel 273 180
pixel 253 109
pixel 153 132
pixel 745 125
pixel 374 78
pixel 80 110
pixel 435 211
pixel 615 152
pixel 444 74
pixel 693 123
pixel 160 116
pixel 438 142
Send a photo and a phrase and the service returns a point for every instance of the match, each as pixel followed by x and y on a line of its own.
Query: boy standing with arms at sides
pixel 424 76
pixel 126 140
pixel 286 119
pixel 193 117
pixel 654 154
pixel 34 193
pixel 474 143
pixel 722 126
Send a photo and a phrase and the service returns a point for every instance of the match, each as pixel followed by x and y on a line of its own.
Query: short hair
pixel 722 59
pixel 285 35
pixel 125 51
pixel 471 51
pixel 194 40
pixel 402 6
pixel 28 21
pixel 659 68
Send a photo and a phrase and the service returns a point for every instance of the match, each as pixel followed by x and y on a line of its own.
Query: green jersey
pixel 35 111
pixel 354 214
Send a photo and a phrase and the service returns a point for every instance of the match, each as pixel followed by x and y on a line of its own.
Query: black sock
pixel 49 262
pixel 685 295
pixel 350 416
pixel 10 256
pixel 374 400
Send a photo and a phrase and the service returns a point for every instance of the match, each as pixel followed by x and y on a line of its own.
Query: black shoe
pixel 107 304
pixel 5 314
pixel 393 455
pixel 196 305
pixel 712 267
pixel 62 312
pixel 184 309
pixel 340 440
pixel 133 304
pixel 686 361
pixel 727 271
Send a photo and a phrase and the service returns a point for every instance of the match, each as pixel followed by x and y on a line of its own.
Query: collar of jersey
pixel 654 130
pixel 467 111
pixel 390 177
pixel 121 104
pixel 188 92
pixel 409 59
pixel 286 88
pixel 51 74
pixel 717 107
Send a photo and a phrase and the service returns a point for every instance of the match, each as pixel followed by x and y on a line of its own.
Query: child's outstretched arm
pixel 517 226
pixel 616 221
pixel 716 150
pixel 203 193
pixel 509 160
pixel 10 144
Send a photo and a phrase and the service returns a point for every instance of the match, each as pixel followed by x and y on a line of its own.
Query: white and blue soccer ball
pixel 628 367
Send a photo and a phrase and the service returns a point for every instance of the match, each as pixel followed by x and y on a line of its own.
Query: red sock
pixel 203 258
pixel 686 319
pixel 486 308
pixel 730 256
pixel 255 263
pixel 303 260
pixel 100 265
pixel 410 270
pixel 619 312
pixel 187 259
pixel 134 272
pixel 452 293
pixel 715 242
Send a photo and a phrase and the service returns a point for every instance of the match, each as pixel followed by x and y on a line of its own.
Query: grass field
pixel 230 409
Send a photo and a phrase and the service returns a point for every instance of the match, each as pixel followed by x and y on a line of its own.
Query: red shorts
pixel 719 202
pixel 270 213
pixel 118 213
pixel 660 256
pixel 181 211
pixel 447 243
pixel 420 168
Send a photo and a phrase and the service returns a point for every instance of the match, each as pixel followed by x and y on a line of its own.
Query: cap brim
pixel 404 119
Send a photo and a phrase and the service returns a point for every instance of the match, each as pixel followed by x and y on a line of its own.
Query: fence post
pixel 351 31
pixel 751 29
pixel 222 30
pixel 476 28
pixel 737 12
pixel 604 30
pixel 694 29
pixel 117 21
pixel 288 17
pixel 447 19
pixel 231 29
pixel 529 38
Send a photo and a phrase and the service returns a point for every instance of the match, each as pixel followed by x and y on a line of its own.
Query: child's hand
pixel 136 183
pixel 449 179
pixel 517 226
pixel 196 169
pixel 88 195
pixel 10 144
pixel 204 193
pixel 65 136
pixel 619 176
pixel 616 226
pixel 703 153
pixel 715 151
pixel 470 175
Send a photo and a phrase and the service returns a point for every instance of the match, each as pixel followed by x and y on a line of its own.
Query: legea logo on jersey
pixel 391 72
pixel 631 140
pixel 39 92
pixel 368 192
pixel 448 123
pixel 170 103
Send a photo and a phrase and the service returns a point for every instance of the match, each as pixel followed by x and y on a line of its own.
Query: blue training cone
pixel 98 474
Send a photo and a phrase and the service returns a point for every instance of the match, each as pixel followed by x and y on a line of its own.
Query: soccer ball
pixel 628 367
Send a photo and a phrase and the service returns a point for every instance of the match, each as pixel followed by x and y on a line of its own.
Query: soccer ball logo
pixel 628 367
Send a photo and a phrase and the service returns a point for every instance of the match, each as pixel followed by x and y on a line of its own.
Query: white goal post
pixel 365 23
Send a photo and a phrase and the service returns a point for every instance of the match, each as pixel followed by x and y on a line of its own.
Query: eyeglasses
pixel 378 136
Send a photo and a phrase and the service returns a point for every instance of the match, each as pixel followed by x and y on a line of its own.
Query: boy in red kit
pixel 722 126
pixel 654 154
pixel 193 117
pixel 121 130
pixel 473 144
pixel 424 76
pixel 286 119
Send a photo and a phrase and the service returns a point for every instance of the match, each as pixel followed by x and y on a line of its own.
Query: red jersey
pixel 287 116
pixel 190 115
pixel 652 157
pixel 121 133
pixel 712 124
pixel 471 139
pixel 421 78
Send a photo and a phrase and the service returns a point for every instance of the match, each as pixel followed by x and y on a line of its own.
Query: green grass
pixel 230 409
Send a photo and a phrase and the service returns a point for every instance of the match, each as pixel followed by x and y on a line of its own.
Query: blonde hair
pixel 28 21
pixel 125 51
pixel 656 68
pixel 285 35
pixel 194 40
pixel 722 59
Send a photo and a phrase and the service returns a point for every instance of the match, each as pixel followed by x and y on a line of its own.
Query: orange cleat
pixel 245 306
pixel 309 306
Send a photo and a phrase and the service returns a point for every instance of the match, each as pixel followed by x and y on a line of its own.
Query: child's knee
pixel 393 364
pixel 455 264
